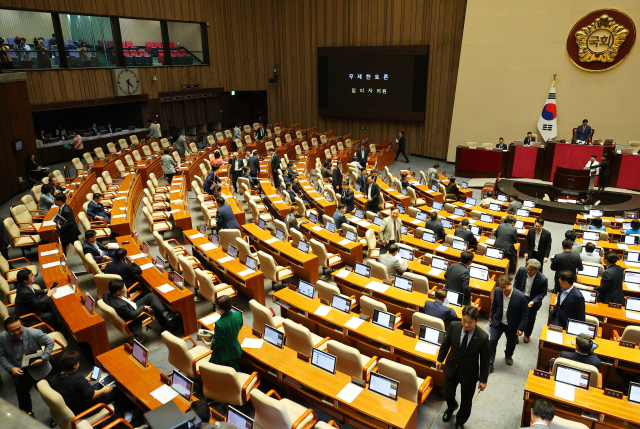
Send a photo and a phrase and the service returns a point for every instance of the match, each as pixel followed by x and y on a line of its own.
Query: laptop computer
pixel 383 319
pixel 323 360
pixel 576 327
pixel 341 302
pixel 384 386
pixel 572 376
pixel 431 335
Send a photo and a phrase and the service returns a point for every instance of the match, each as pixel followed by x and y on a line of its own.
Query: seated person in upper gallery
pixel 583 132
pixel 588 200
pixel 582 353
pixel 529 139
pixel 502 145
pixel 96 210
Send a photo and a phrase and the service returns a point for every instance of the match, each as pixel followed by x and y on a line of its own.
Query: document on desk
pixel 210 319
pixel 62 291
pixel 51 264
pixel 349 393
pixel 522 231
pixel 137 256
pixel 198 235
pixel 354 323
pixel 377 286
pixel 165 288
pixel 225 259
pixel 565 391
pixel 119 216
pixel 364 223
pixel 53 252
pixel 466 206
pixel 323 310
pixel 278 202
pixel 147 266
pixel 208 246
pixel 48 223
pixel 164 394
pixel 120 198
pixel 252 343
pixel 176 190
pixel 319 198
pixel 316 228
pixel 273 196
pixel 490 241
pixel 442 248
pixel 307 187
pixel 123 192
pixel 633 286
pixel 623 246
pixel 416 221
pixel 175 211
pixel 453 216
pixel 632 315
pixel 473 220
pixel 632 264
pixel 112 246
pixel 345 242
pixel 343 274
pixel 430 349
pixel 435 272
pixel 271 240
pixel 555 337
pixel 246 272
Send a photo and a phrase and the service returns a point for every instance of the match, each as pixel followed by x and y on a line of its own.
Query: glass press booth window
pixel 88 41
pixel 141 42
pixel 27 41
pixel 185 43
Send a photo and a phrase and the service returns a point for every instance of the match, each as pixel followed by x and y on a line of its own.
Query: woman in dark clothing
pixel 603 180
pixel 36 172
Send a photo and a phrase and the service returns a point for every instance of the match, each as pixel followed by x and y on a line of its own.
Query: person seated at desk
pixel 583 352
pixel 46 198
pixel 588 200
pixel 99 252
pixel 438 308
pixel 217 159
pixel 225 219
pixel 529 139
pixel 435 225
pixel 225 345
pixel 202 410
pixel 569 301
pixel 325 169
pixel 36 172
pixel 290 173
pixel 596 223
pixel 28 301
pixel 55 185
pixel 404 182
pixel 542 413
pixel 43 138
pixel 457 276
pixel 589 255
pixel 288 188
pixel 119 266
pixel 78 394
pixel 128 310
pixel 96 210
pixel 395 265
pixel 635 227
pixel 292 217
pixel 453 189
pixel 253 181
pixel 583 132
pixel 485 202
pixel 463 232
pixel 501 144
pixel 610 289
pixel 94 129
pixel 338 216
pixel 109 129
pixel 514 204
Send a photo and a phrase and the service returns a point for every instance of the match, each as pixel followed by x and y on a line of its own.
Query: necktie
pixel 465 341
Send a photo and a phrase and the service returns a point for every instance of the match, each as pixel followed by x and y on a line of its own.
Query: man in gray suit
pixel 506 237
pixel 457 276
pixel 15 342
pixel 390 231
pixel 542 414
pixel 181 146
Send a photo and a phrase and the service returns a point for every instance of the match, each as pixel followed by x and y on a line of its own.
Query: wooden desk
pixel 251 285
pixel 610 412
pixel 135 381
pixel 48 233
pixel 614 247
pixel 335 243
pixel 396 196
pixel 119 220
pixel 304 265
pixel 84 327
pixel 179 196
pixel 177 300
pixel 278 208
pixel 316 200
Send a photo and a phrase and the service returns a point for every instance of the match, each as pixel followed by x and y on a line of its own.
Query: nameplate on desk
pixel 615 305
pixel 293 288
pixel 613 393
pixel 409 333
pixel 358 382
pixel 543 374
pixel 303 357
pixel 629 344
pixel 555 328
pixel 324 301
pixel 256 333
pixel 128 348
pixel 363 317
pixel 424 262
pixel 164 379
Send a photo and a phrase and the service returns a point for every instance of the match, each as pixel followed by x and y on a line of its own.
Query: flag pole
pixel 554 79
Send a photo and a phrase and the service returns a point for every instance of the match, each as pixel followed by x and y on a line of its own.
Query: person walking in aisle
pixel 401 147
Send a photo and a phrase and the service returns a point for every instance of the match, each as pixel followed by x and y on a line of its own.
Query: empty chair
pixel 349 360
pixel 23 218
pixel 412 387
pixel 10 274
pixel 273 271
pixel 631 333
pixel 210 291
pixel 419 318
pixel 378 270
pixel 244 249
pixel 187 360
pixel 325 259
pixel 300 339
pixel 18 240
pixel 88 158
pixel 228 236
pixel 368 304
pixel 111 147
pixel 372 249
pixel 326 291
pixel 414 200
pixel 420 282
pixel 225 384
pixel 99 153
pixel 264 316
pixel 281 413
pixel 160 226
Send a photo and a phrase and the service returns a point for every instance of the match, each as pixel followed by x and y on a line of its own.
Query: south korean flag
pixel 548 122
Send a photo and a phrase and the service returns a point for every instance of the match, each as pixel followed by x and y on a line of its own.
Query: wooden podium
pixel 570 178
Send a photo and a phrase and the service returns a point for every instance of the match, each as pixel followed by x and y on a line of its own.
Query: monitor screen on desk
pixel 377 221
pixel 421 216
pixel 631 239
pixel 181 384
pixel 632 304
pixel 280 234
pixel 454 298
pixel 273 336
pixel 434 188
pixel 404 192
pixel 330 226
pixel 215 239
pixel 351 236
pixel 405 254
pixel 595 251
pixel 402 209
pixel 238 420
pixel 589 271
pixel 486 218
pixel 341 302
pixel 431 335
pixel 251 263
pixel 422 181
pixel 384 386
pixel 447 224
pixel 439 263
pixel 634 392
pixel 519 224
pixel 429 237
pixel 178 280
pixel 465 185
pixel 203 229
pixel 494 252
pixel 145 248
pixel 475 230
pixel 528 204
pixel 502 198
pixel 359 214
pixel 572 376
pixel 140 353
pixel 591 235
pixel 471 201
pixel 384 319
pixel 522 212
pixel 160 263
pixel 481 274
pixel 362 269
pixel 232 251
pixel 403 283
pixel 303 246
pixel 494 207
pixel 357 187
pixel 262 224
pixel 89 303
pixel 323 360
pixel 313 218
pixel 626 226
pixel 306 289
pixel 590 297
pixel 630 215
pixel 459 211
pixel 596 213
pixel 629 256
pixel 459 245
pixel 437 205
pixel 575 327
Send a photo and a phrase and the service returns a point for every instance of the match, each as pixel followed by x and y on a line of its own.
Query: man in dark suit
pixel 438 309
pixel 452 189
pixel 501 144
pixel 401 147
pixel 362 155
pixel 275 166
pixel 404 182
pixel 27 301
pixel 538 243
pixel 506 237
pixel 565 261
pixel 290 192
pixel 582 353
pixel 361 180
pixel 94 129
pixel 235 168
pixel 129 310
pixel 99 252
pixel 338 216
pixel 466 348
pixel 119 266
pixel 569 301
pixel 211 180
pixel 336 179
pixel 457 276
pixel 96 210
pixel 463 232
pixel 610 289
pixel 372 193
pixel 435 225
pixel 509 311
pixel 583 132
pixel 533 284
pixel 261 133
pixel 65 221
pixel 254 164
pixel 348 198
pixel 529 139
pixel 225 219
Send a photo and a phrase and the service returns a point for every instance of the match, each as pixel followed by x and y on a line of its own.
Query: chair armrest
pixel 21 258
pixel 599 380
pixel 27 223
pixel 365 370
pixel 354 301
pixel 196 359
pixel 303 417
pixel 330 423
pixel 144 313
pixel 273 392
pixel 99 222
pixel 324 340
pixel 246 395
pixel 425 388
pixel 615 336
pixel 477 304
pixel 90 411
pixel 41 213
pixel 135 295
pixel 24 316
pixel 223 288
pixel 189 339
pixel 398 320
pixel 272 312
pixel 373 253
pixel 116 423
pixel 600 332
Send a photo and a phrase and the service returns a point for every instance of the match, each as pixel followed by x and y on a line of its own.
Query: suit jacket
pixel 473 364
pixel 339 218
pixel 260 133
pixel 336 178
pixel 544 245
pixel 566 261
pixel 292 195
pixel 385 233
pixel 502 146
pixel 514 206
pixel 95 131
pixel 128 272
pixel 362 154
pixel 439 310
pixel 225 218
pixel 538 288
pixel 348 199
pixel 572 307
pixel 457 280
pixel 362 181
pixel 275 163
pixel 466 235
pixel 211 179
pixel 94 209
pixel 45 203
pixel 181 146
pixel 432 176
pixel 537 425
pixel 232 166
pixel 375 192
pixel 610 289
pixel 401 143
pixel 405 183
pixel 109 130
pixel 590 358
pixel 529 140
pixel 454 190
pixel 436 227
pixel 125 311
pixel 32 341
pixel 88 248
pixel 69 230
pixel 517 310
pixel 506 237
pixel 225 344
pixel 583 134
pixel 254 165
pixel 27 301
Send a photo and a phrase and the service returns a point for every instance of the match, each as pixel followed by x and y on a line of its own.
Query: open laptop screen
pixel 437 205
pixel 273 336
pixel 591 235
pixel 323 360
pixel 631 239
pixel 455 298
pixel 89 303
pixel 494 207
pixel 439 263
pixel 431 335
pixel 633 304
pixel 421 216
pixel 303 246
pixel 331 227
pixel 236 419
pixel 632 277
pixel 140 353
pixel 522 212
pixel 529 204
pixel 502 198
pixel 575 327
pixel 341 302
pixel 384 386
pixel 634 392
pixel 405 254
pixel 596 213
pixel 494 252
pixel 590 297
pixel 459 211
pixel 403 283
pixel 429 237
pixel 363 270
pixel 486 218
pixel 572 376
pixel 446 223
pixel 182 384
pixel 251 263
pixel 459 245
pixel 471 201
pixel 481 274
pixel 383 319
pixel 306 289
pixel 589 271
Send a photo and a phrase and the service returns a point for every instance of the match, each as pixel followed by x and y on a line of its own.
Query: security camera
pixel 155 78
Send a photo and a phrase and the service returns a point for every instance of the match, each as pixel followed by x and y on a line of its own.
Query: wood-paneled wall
pixel 248 38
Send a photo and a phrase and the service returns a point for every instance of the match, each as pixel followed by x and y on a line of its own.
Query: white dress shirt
pixel 528 284
pixel 128 301
pixel 505 307
pixel 537 241
pixel 564 294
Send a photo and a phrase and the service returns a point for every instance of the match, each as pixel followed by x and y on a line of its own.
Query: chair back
pixel 171 255
pixel 243 248
pixel 36 191
pixel 20 214
pixel 270 413
pixel 318 249
pixel 93 266
pixel 326 290
pixel 298 337
pixel 29 202
pixel 111 148
pixel 146 151
pixel 82 217
pixel 179 355
pixel 60 412
pixel 419 318
pixel 116 320
pixel 561 423
pixel 102 282
pixel 368 304
pixel 370 236
pixel 631 334
pixel 188 273
pixel 420 282
pixel 205 284
pixel 404 374
pixel 593 380
pixel 261 315
pixel 592 319
pixel 228 236
pixel 78 246
pixel 87 157
pixel 221 383
pixel 348 359
pixel 378 270
pixel 99 153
